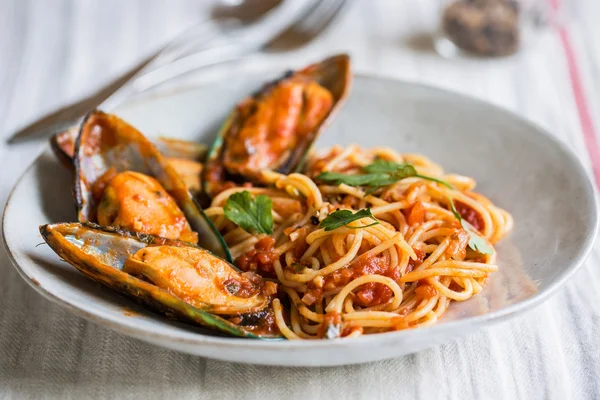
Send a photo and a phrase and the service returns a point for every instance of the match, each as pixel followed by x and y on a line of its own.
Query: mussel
pixel 275 127
pixel 185 156
pixel 169 276
pixel 142 233
pixel 122 180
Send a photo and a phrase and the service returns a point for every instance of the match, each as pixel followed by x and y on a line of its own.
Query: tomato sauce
pixel 372 294
pixel 261 323
pixel 347 331
pixel 470 215
pixel 425 291
pixel 457 247
pixel 369 294
pixel 412 264
pixel 240 288
pixel 416 214
pixel 260 259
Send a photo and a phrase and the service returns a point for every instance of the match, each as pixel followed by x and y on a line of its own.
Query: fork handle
pixel 67 116
pixel 165 64
pixel 114 92
pixel 179 56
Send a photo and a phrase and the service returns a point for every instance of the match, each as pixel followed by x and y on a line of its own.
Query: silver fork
pixel 308 26
pixel 304 20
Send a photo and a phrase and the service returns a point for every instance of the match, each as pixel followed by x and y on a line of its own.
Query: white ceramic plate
pixel 517 165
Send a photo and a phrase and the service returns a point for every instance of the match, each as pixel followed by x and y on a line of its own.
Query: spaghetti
pixel 364 277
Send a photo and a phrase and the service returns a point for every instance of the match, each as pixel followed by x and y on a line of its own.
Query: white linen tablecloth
pixel 53 51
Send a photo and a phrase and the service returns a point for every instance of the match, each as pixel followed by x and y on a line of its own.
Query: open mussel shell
pixel 63 147
pixel 185 156
pixel 103 253
pixel 333 74
pixel 106 142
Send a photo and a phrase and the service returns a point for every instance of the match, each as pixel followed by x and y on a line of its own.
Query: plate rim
pixel 195 338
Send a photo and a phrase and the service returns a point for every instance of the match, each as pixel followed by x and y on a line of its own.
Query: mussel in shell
pixel 122 180
pixel 275 127
pixel 169 276
pixel 185 156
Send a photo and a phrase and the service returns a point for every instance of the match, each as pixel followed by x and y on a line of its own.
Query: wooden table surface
pixel 54 51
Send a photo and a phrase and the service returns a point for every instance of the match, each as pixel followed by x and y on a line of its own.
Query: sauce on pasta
pixel 361 278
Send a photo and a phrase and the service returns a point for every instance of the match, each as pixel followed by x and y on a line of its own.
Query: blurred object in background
pixel 489 28
pixel 243 11
pixel 483 27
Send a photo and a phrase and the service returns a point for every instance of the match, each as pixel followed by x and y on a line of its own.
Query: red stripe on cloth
pixel 585 119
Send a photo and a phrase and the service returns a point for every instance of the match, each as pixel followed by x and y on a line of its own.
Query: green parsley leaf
pixel 400 171
pixel 251 214
pixel 383 166
pixel 476 241
pixel 379 173
pixel 341 218
pixel 355 180
pixel 405 171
